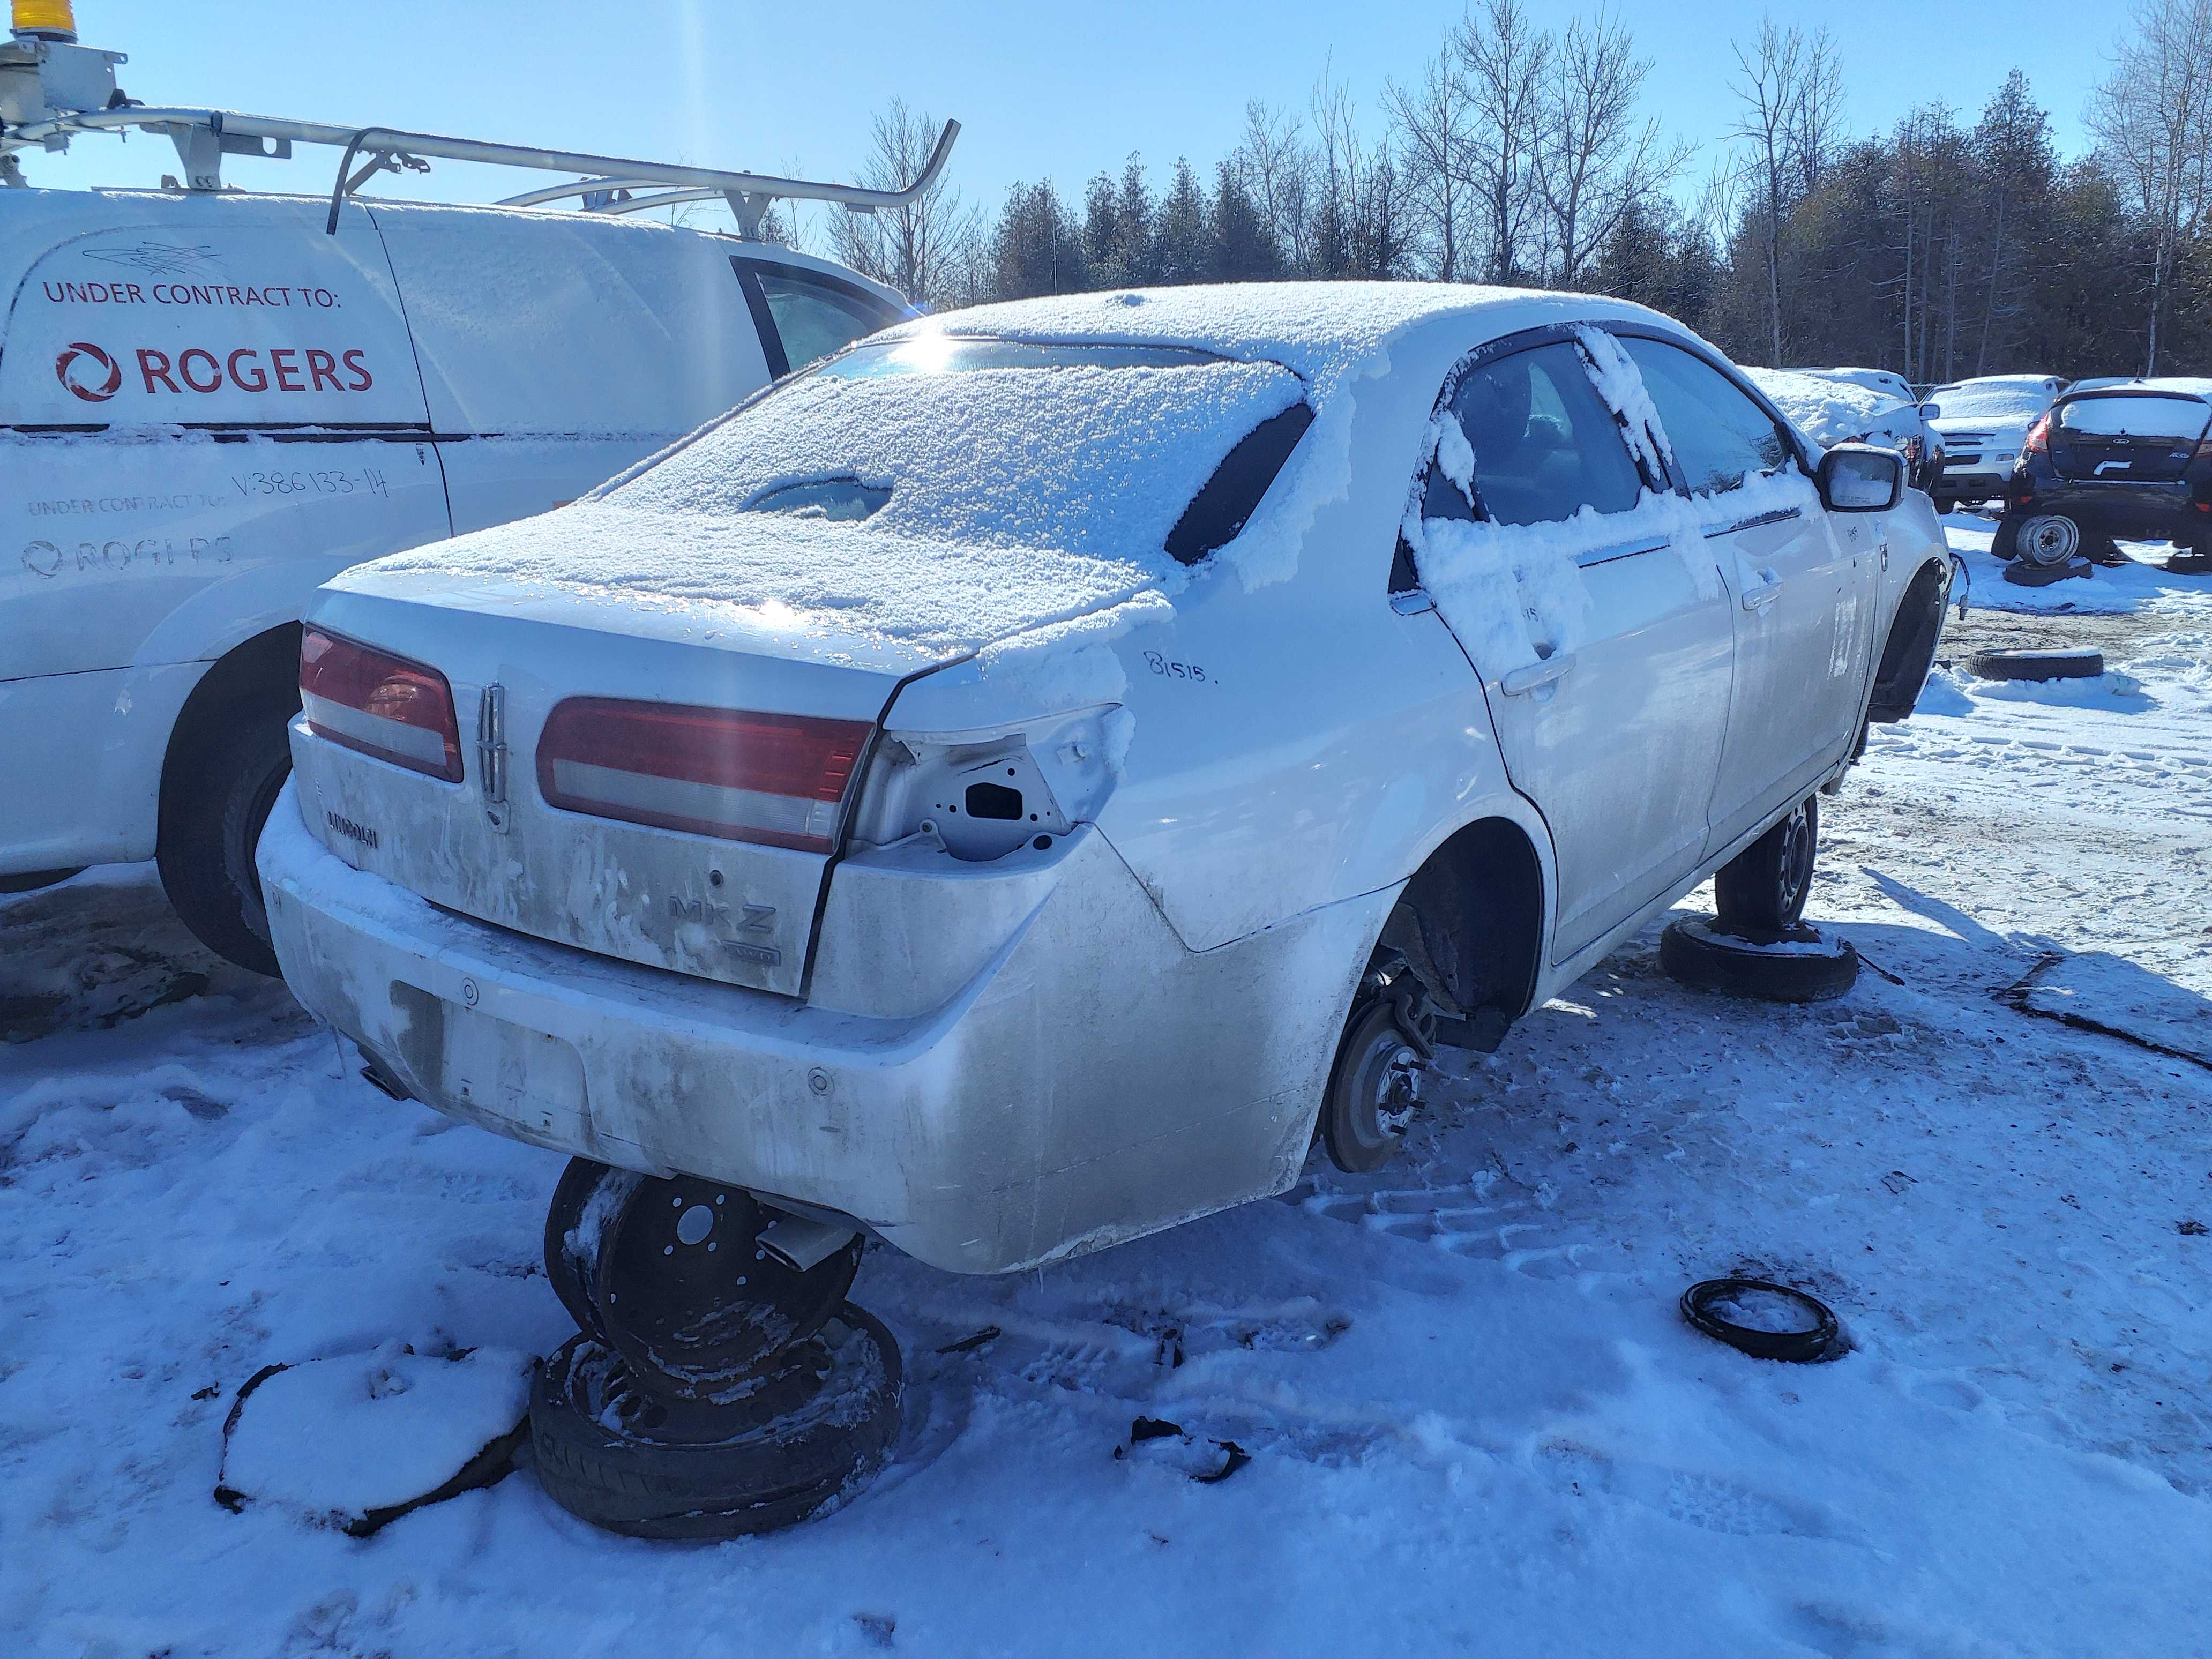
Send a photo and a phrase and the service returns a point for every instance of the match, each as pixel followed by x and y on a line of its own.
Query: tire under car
pixel 801 1440
pixel 713 1389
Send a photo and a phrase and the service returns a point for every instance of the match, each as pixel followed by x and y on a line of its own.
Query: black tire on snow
pixel 1945 503
pixel 1794 964
pixel 217 798
pixel 1764 888
pixel 2022 574
pixel 802 1444
pixel 568 1262
pixel 2036 664
pixel 2185 563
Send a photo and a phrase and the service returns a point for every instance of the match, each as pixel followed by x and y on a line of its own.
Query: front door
pixel 1804 595
pixel 1602 640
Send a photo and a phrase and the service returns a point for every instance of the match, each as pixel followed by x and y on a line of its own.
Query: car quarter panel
pixel 1299 742
pixel 976 1137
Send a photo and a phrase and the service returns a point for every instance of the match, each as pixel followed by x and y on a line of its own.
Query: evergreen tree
pixel 1184 243
pixel 1038 247
pixel 1243 248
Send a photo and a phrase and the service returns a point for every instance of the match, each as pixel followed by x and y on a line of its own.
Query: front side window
pixel 1544 446
pixel 1720 437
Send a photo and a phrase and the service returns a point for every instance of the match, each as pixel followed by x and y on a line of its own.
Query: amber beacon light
pixel 44 20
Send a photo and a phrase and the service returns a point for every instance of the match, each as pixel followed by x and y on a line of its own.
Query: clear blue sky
pixel 1041 90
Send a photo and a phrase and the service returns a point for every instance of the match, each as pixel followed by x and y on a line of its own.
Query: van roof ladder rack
pixel 52 90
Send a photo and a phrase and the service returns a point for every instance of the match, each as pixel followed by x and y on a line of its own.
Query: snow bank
pixel 2113 590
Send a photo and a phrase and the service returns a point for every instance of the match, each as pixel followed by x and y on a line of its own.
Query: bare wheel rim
pixel 1796 862
pixel 1383 1103
pixel 2049 541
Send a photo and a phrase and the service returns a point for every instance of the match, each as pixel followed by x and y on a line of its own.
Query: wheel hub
pixel 2049 541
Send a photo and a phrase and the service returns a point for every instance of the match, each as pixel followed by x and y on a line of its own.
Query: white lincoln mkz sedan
pixel 1009 787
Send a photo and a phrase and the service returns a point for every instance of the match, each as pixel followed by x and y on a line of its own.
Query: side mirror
pixel 1860 478
pixel 1931 411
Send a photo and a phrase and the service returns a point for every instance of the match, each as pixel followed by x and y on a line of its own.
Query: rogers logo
pixel 88 372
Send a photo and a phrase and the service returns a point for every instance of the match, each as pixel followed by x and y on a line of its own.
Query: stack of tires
pixel 719 1383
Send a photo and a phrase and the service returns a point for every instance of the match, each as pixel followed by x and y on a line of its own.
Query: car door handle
pixel 1764 592
pixel 1537 675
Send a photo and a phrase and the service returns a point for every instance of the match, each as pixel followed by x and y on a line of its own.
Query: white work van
pixel 212 401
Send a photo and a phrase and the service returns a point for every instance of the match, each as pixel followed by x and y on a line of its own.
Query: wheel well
pixel 1471 920
pixel 266 666
pixel 1911 648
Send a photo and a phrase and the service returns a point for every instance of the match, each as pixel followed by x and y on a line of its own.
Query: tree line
pixel 1950 245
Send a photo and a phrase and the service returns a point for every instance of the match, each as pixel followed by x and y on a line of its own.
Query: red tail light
pixel 2038 437
pixel 382 705
pixel 774 779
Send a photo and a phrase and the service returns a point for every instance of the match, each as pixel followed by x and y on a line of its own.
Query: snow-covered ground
pixel 1476 1422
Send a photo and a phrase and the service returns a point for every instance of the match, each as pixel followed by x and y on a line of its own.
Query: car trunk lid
pixel 2126 438
pixel 639 861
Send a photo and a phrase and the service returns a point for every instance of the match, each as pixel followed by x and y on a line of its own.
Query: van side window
pixel 803 315
pixel 1719 434
pixel 1545 446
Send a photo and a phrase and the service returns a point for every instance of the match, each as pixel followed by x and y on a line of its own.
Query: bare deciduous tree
pixel 1789 90
pixel 929 249
pixel 1503 57
pixel 1428 124
pixel 2152 121
pixel 1594 159
pixel 1276 169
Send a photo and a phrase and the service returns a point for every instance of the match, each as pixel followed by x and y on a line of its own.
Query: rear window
pixel 1112 451
pixel 2135 414
pixel 1990 401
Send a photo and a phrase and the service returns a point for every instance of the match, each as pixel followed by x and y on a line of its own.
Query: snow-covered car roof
pixel 1833 411
pixel 993 507
pixel 1327 332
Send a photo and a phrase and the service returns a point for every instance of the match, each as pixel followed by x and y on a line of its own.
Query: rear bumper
pixel 1093 1082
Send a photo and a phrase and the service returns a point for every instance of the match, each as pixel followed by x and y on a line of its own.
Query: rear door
pixel 1603 641
pixel 1804 593
pixel 193 399
pixel 558 348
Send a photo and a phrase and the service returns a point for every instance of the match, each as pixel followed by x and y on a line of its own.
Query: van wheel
pixel 1764 888
pixel 221 790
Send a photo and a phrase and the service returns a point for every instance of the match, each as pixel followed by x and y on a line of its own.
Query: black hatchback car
pixel 2128 462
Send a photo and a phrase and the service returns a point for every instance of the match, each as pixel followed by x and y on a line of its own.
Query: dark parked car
pixel 2132 462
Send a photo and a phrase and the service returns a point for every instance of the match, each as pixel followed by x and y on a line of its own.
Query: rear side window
pixel 1545 447
pixel 1720 437
pixel 804 315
